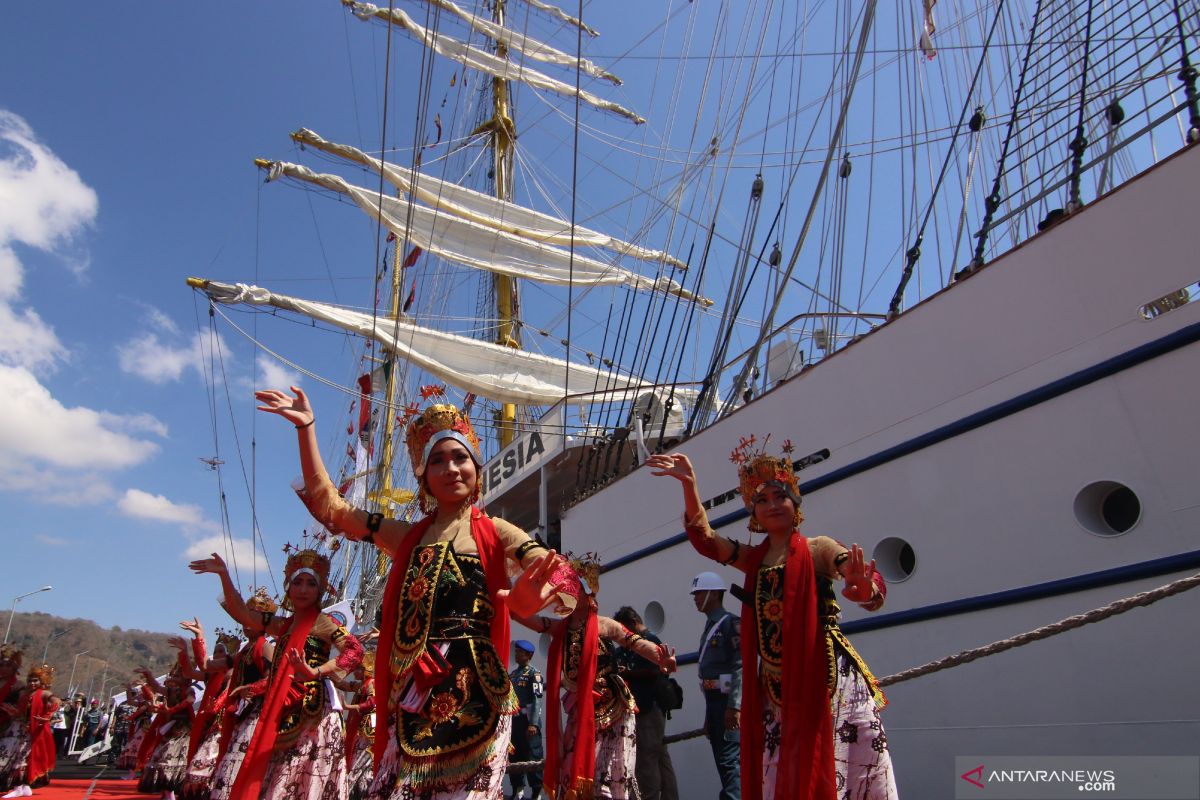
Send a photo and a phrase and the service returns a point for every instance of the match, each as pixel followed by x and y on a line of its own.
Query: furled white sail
pixel 503 374
pixel 558 13
pixel 484 208
pixel 483 61
pixel 474 245
pixel 519 42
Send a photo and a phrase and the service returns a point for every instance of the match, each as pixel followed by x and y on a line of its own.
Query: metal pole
pixel 13 612
pixel 58 635
pixel 71 682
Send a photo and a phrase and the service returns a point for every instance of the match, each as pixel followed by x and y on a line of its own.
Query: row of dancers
pixel 432 707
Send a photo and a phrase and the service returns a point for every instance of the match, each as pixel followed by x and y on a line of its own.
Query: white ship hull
pixel 986 509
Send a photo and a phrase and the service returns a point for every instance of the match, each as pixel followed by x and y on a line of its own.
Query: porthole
pixel 654 616
pixel 1107 508
pixel 895 559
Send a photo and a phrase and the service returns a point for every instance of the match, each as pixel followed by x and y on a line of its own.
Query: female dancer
pixel 27 750
pixel 244 702
pixel 810 722
pixel 205 739
pixel 360 731
pixel 596 754
pixel 162 756
pixel 10 688
pixel 445 702
pixel 139 722
pixel 296 750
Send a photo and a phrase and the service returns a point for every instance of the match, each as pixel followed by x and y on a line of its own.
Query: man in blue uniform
pixel 720 669
pixel 526 731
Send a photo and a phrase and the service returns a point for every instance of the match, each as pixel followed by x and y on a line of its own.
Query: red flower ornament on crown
pixel 757 469
pixel 425 429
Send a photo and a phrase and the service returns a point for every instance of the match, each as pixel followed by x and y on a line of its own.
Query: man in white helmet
pixel 720 670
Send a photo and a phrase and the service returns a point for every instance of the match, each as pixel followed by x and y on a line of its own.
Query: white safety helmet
pixel 708 582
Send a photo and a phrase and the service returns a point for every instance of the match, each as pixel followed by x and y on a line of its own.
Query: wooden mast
pixel 503 133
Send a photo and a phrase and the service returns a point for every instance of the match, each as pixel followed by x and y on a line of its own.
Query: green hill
pixel 110 658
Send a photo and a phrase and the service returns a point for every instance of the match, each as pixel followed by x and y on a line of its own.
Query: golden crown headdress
pixel 368 662
pixel 228 640
pixel 306 560
pixel 262 602
pixel 757 469
pixel 45 673
pixel 587 567
pixel 12 654
pixel 426 428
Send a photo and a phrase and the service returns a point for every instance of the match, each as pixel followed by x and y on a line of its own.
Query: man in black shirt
pixel 655 774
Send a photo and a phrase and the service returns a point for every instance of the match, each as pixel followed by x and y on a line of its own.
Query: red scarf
pixel 806 770
pixel 253 649
pixel 354 719
pixel 491 557
pixel 154 733
pixel 215 690
pixel 583 763
pixel 41 753
pixel 262 744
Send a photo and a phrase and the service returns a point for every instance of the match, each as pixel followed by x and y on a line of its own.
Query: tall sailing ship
pixel 944 248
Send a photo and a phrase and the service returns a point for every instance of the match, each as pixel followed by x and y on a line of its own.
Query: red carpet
pixel 77 789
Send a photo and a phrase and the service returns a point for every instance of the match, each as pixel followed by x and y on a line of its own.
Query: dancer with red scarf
pixel 204 741
pixel 444 699
pixel 296 750
pixel 809 720
pixel 162 755
pixel 595 753
pixel 10 685
pixel 248 679
pixel 27 752
pixel 360 730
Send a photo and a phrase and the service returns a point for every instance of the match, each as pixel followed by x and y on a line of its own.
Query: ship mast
pixel 503 133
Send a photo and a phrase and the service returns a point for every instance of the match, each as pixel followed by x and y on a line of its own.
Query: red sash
pixel 215 690
pixel 806 770
pixel 353 719
pixel 583 764
pixel 253 649
pixel 41 752
pixel 491 557
pixel 249 780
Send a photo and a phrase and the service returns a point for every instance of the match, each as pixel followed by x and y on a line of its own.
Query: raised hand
pixel 533 589
pixel 178 643
pixel 193 626
pixel 666 657
pixel 295 410
pixel 214 564
pixel 302 671
pixel 675 465
pixel 859 587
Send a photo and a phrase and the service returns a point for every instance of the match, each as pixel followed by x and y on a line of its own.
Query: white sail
pixel 558 13
pixel 531 48
pixel 484 208
pixel 500 373
pixel 483 61
pixel 474 245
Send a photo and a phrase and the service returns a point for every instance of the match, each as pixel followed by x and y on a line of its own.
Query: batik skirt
pixel 393 782
pixel 168 763
pixel 862 761
pixel 311 768
pixel 616 755
pixel 226 770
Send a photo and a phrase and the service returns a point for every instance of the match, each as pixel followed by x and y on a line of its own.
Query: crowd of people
pixel 425 705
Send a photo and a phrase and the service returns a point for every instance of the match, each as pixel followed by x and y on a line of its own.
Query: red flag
pixel 391 236
pixel 412 295
pixel 411 259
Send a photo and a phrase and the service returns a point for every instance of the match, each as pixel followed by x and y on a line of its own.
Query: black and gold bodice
pixel 245 672
pixel 769 614
pixel 611 694
pixel 445 605
pixel 310 707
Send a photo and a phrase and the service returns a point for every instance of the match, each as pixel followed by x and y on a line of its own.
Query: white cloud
pixel 242 554
pixel 274 375
pixel 157 508
pixel 36 426
pixel 44 204
pixel 153 359
pixel 50 541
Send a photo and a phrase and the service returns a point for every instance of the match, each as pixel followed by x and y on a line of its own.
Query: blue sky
pixel 126 138
pixel 127 133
